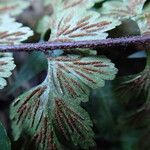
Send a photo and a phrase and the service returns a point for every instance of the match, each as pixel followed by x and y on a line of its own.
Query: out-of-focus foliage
pixel 123 8
pixel 129 9
pixel 134 90
pixel 4 141
pixel 132 10
pixel 29 70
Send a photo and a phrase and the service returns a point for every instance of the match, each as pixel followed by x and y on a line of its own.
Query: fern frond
pixel 73 76
pixel 45 116
pixel 11 32
pixel 12 7
pixel 58 98
pixel 123 9
pixel 6 66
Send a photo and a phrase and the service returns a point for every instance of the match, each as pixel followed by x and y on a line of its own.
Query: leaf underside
pixel 69 4
pixel 55 104
pixel 11 32
pixel 73 76
pixel 12 7
pixel 64 5
pixel 143 22
pixel 86 25
pixel 123 9
pixel 72 20
pixel 6 66
pixel 133 9
pixel 45 115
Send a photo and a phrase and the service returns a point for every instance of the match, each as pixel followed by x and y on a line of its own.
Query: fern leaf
pixel 132 9
pixel 67 24
pixel 58 99
pixel 135 6
pixel 12 7
pixel 6 66
pixel 46 116
pixel 123 9
pixel 86 25
pixel 52 110
pixel 135 86
pixel 59 5
pixel 73 76
pixel 12 32
pixel 143 22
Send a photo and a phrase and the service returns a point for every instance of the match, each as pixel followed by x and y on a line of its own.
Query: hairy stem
pixel 108 43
